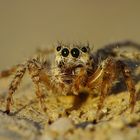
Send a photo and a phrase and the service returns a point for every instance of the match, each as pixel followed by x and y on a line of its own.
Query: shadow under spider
pixel 78 101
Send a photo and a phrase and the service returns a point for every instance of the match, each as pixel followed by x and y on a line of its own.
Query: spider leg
pixel 129 83
pixel 34 68
pixel 109 76
pixel 14 85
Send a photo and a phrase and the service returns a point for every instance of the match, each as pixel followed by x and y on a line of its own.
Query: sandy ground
pixel 28 121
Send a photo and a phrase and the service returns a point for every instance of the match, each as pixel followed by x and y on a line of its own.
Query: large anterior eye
pixel 65 52
pixel 75 52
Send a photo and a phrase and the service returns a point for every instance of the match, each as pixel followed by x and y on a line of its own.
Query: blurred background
pixel 28 24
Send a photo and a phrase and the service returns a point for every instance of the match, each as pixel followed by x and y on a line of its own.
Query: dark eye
pixel 75 52
pixel 58 48
pixel 84 49
pixel 65 52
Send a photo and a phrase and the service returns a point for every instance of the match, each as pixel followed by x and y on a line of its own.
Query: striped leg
pixel 14 85
pixel 34 68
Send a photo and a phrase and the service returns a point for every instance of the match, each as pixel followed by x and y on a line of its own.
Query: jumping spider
pixel 75 69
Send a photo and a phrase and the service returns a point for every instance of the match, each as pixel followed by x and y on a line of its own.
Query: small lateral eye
pixel 84 49
pixel 58 48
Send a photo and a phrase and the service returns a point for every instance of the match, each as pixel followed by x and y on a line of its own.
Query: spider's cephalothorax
pixel 73 70
pixel 69 59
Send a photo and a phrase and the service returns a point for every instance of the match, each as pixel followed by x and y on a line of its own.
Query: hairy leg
pixel 14 85
pixel 34 68
pixel 129 82
pixel 109 76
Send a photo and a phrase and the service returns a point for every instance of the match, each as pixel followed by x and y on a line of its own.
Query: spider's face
pixel 68 56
